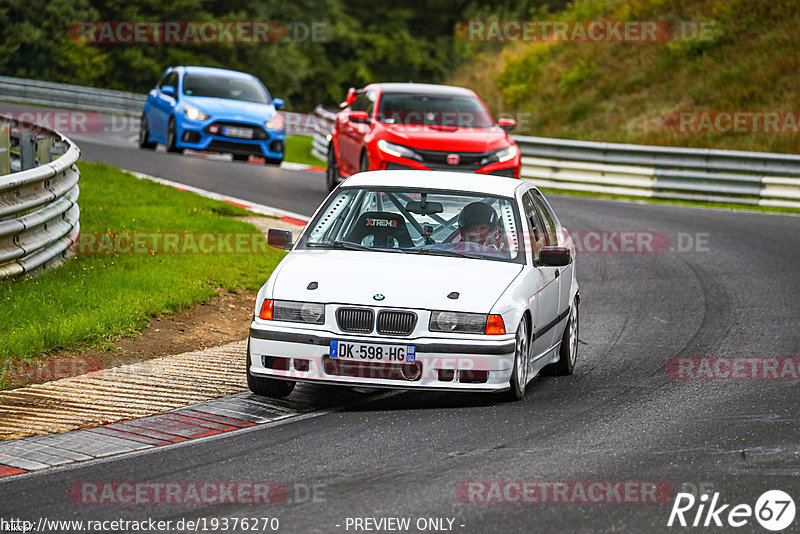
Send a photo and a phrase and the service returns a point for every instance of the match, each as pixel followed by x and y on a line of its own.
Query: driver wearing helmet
pixel 478 223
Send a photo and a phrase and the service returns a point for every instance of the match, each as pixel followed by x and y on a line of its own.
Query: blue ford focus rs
pixel 219 110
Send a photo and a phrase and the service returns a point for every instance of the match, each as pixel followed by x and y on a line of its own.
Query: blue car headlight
pixel 192 113
pixel 275 123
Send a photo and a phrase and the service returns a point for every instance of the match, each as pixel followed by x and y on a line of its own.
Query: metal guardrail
pixel 322 131
pixel 758 178
pixel 71 96
pixel 39 215
pixel 706 175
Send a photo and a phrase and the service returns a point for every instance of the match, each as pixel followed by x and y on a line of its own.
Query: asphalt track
pixel 620 417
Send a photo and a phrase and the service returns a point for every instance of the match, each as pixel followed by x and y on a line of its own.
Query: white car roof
pixel 455 181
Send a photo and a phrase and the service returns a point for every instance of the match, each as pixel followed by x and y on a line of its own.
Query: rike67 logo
pixel 774 510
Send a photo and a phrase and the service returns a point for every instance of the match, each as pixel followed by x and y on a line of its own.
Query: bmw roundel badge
pixel 379 296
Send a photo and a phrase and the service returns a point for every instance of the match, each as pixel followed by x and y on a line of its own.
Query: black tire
pixel 273 161
pixel 267 387
pixel 519 375
pixel 568 353
pixel 332 176
pixel 144 135
pixel 240 157
pixel 172 137
pixel 364 165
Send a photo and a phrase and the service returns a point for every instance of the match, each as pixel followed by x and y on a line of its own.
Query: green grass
pixel 629 92
pixel 626 92
pixel 95 298
pixel 298 150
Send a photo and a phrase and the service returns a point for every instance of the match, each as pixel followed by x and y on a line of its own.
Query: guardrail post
pixel 57 150
pixel 5 149
pixel 43 145
pixel 27 151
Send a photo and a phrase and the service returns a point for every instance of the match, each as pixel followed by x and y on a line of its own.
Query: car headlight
pixel 194 114
pixel 275 123
pixel 399 151
pixel 445 321
pixel 295 312
pixel 499 156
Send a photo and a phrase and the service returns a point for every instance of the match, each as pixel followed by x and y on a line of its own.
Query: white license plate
pixel 373 352
pixel 243 133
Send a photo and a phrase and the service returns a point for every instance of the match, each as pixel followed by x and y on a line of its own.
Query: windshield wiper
pixel 349 245
pixel 441 252
pixel 340 244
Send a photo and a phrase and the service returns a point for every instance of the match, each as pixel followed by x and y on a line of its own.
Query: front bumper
pixel 382 161
pixel 304 355
pixel 194 135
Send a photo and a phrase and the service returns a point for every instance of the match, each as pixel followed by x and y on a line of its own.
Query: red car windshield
pixel 454 111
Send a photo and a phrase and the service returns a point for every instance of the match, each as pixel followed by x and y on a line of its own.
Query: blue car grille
pixel 235 148
pixel 259 133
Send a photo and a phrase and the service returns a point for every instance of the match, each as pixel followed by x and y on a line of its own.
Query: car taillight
pixel 266 310
pixel 495 326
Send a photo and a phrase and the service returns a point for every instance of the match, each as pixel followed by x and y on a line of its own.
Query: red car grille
pixel 467 161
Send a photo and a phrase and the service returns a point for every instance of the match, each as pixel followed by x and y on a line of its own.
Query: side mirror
pixel 507 124
pixel 168 90
pixel 279 103
pixel 351 96
pixel 281 239
pixel 359 117
pixel 554 256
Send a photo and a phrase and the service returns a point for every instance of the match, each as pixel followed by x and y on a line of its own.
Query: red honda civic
pixel 419 126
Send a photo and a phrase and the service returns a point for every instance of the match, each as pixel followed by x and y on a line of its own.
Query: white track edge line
pixel 252 206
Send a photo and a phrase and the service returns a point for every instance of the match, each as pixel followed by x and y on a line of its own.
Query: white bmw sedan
pixel 419 280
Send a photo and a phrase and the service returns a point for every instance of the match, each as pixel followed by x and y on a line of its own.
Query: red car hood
pixel 446 138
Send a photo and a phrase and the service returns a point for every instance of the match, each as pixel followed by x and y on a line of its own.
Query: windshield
pixel 445 223
pixel 245 89
pixel 455 111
